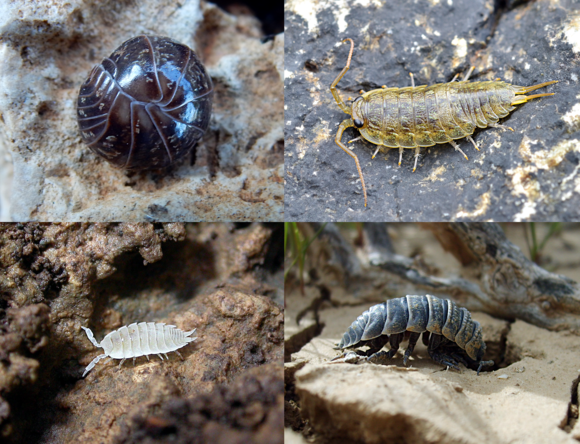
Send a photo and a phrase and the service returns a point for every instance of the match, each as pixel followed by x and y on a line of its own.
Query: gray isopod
pixel 142 339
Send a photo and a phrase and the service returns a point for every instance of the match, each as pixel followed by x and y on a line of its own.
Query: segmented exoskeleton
pixel 445 327
pixel 142 339
pixel 422 116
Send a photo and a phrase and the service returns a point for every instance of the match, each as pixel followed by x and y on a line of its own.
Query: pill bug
pixel 142 339
pixel 146 105
pixel 449 333
pixel 423 116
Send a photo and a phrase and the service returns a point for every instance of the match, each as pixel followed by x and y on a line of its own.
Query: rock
pixel 528 174
pixel 46 173
pixel 371 404
pixel 374 405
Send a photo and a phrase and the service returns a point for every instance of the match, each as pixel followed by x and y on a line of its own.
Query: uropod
pixel 423 116
pixel 142 339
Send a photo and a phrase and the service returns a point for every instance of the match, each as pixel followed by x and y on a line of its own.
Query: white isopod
pixel 142 339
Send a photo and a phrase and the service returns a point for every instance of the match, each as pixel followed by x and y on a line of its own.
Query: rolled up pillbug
pixel 447 331
pixel 142 339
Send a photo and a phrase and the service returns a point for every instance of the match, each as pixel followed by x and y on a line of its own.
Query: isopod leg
pixel 401 149
pixel 376 344
pixel 93 363
pixel 454 144
pixel 438 356
pixel 160 357
pixel 412 80
pixel 417 154
pixel 483 364
pixel 121 363
pixel 166 357
pixel 497 125
pixel 466 77
pixel 444 359
pixel 413 338
pixel 468 74
pixel 473 141
pixel 383 357
pixel 179 354
pixel 344 125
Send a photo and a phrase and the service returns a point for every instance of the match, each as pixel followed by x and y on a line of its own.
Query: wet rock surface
pixel 224 280
pixel 48 174
pixel 528 174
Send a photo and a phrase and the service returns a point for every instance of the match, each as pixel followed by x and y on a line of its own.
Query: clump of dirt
pixel 249 410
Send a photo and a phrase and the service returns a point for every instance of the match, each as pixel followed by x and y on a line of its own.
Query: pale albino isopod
pixel 142 339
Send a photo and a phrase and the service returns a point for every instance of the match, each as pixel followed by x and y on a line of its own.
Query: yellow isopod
pixel 419 116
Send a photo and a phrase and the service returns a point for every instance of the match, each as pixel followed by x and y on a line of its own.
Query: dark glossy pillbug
pixel 146 105
pixel 448 331
pixel 427 115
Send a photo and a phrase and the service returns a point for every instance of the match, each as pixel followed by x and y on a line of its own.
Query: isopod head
pixel 110 344
pixel 475 348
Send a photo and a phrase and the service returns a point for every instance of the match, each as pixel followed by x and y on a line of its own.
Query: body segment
pixel 140 339
pixel 423 116
pixel 444 326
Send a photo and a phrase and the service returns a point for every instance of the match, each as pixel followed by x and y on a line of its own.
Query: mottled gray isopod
pixel 142 339
pixel 448 331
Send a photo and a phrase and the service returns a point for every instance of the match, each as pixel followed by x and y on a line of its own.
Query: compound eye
pixel 358 123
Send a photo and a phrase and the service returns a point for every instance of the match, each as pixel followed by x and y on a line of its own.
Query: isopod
pixel 146 105
pixel 422 116
pixel 449 333
pixel 142 339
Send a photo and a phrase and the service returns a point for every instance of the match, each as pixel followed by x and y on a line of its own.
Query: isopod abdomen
pixel 142 339
pixel 448 331
pixel 423 116
pixel 146 105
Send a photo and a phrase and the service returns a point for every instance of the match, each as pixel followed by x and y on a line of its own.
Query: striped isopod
pixel 142 339
pixel 423 116
pixel 444 326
